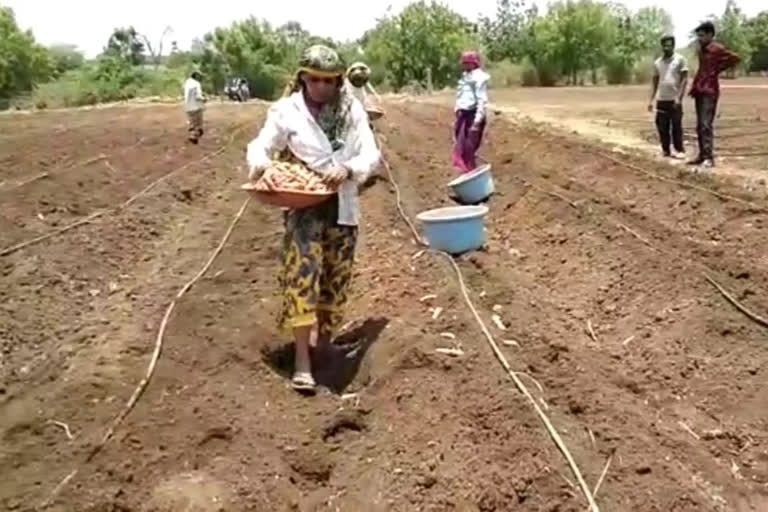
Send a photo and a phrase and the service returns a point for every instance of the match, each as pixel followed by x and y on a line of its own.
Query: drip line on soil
pixel 763 322
pixel 46 174
pixel 655 176
pixel 76 165
pixel 90 218
pixel 142 385
pixel 500 357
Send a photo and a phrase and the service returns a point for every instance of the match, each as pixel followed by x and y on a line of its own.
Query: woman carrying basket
pixel 319 124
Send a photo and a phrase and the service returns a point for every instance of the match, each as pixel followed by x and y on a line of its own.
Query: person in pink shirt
pixel 471 115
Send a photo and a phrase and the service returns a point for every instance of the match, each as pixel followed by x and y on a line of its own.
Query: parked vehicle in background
pixel 237 90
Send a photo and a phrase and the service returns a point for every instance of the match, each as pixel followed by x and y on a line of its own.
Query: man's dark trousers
pixel 669 122
pixel 706 107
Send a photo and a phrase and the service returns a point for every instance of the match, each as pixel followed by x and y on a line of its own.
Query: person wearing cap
pixel 194 105
pixel 321 125
pixel 358 78
pixel 471 104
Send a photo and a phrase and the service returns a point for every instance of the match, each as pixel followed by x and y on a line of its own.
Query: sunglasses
pixel 324 80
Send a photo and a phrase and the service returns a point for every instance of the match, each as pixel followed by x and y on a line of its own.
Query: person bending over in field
pixel 670 78
pixel 713 60
pixel 471 104
pixel 194 104
pixel 322 126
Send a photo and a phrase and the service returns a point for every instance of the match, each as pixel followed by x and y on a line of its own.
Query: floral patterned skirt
pixel 317 259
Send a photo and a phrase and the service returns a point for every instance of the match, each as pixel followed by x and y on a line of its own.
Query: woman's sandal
pixel 303 382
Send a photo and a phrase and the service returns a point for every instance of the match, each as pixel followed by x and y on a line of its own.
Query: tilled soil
pixel 619 113
pixel 597 271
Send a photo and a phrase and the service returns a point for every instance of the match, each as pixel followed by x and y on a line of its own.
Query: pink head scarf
pixel 472 58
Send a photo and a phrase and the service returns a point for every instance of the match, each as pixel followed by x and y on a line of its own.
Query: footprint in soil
pixel 341 365
pixel 311 463
pixel 344 424
pixel 196 491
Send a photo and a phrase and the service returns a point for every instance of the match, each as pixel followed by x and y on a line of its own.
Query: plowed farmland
pixel 602 274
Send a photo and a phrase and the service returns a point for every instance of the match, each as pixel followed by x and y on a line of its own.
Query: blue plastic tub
pixel 456 229
pixel 474 187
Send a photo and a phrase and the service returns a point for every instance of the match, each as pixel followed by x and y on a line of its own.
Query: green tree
pixel 251 49
pixel 733 32
pixel 23 62
pixel 125 44
pixel 757 29
pixel 503 35
pixel 113 79
pixel 651 24
pixel 66 57
pixel 627 43
pixel 294 39
pixel 573 37
pixel 422 43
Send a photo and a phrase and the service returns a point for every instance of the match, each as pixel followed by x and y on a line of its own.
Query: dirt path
pixel 671 387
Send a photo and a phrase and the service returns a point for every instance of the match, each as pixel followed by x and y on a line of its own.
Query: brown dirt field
pixel 672 387
pixel 618 114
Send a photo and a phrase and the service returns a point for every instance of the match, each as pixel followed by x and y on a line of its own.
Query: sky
pixel 89 23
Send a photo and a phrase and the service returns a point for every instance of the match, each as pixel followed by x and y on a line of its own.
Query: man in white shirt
pixel 670 79
pixel 194 104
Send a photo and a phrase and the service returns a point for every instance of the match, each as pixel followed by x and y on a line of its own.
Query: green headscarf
pixel 359 69
pixel 322 61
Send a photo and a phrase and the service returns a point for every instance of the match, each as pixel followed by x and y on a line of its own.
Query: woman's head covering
pixel 322 61
pixel 359 69
pixel 471 57
pixel 317 60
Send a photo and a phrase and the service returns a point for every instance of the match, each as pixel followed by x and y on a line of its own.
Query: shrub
pixel 107 82
pixel 268 82
pixel 505 74
pixel 544 73
pixel 617 70
pixel 643 71
pixel 530 75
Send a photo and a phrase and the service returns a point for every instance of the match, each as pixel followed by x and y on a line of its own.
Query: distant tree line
pixel 573 42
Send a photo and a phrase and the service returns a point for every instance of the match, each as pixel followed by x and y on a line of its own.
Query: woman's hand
pixel 255 173
pixel 266 179
pixel 336 176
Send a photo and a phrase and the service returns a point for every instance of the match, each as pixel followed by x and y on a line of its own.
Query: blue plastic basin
pixel 456 229
pixel 474 187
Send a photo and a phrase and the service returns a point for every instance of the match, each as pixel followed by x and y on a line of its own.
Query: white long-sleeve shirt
pixel 193 96
pixel 290 125
pixel 472 92
pixel 361 93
